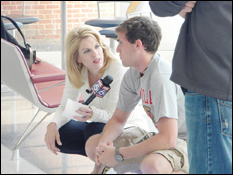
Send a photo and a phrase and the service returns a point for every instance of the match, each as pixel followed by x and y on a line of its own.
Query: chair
pixel 24 19
pixel 10 26
pixel 20 19
pixel 105 22
pixel 135 8
pixel 43 86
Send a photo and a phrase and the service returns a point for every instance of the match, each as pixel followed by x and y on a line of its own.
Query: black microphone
pixel 99 89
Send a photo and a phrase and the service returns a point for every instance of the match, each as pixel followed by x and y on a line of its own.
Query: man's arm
pixel 166 8
pixel 113 128
pixel 166 139
pixel 187 8
pixel 171 8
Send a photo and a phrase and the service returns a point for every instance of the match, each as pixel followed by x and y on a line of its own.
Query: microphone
pixel 99 89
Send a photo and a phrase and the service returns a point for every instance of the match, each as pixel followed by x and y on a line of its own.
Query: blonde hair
pixel 73 39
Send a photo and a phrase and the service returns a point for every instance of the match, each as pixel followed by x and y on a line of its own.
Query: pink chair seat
pixel 41 75
pixel 50 98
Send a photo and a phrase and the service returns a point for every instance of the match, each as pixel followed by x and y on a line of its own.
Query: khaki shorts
pixel 177 156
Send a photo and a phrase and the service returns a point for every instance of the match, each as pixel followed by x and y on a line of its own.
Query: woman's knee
pixel 91 144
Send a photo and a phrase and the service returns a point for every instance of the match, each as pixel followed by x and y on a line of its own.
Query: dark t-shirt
pixel 202 59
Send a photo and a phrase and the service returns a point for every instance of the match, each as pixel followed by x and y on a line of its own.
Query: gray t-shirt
pixel 160 96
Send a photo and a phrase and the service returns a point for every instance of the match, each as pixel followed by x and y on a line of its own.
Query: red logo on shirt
pixel 143 97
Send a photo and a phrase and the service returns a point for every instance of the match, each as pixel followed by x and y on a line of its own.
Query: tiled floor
pixel 9 166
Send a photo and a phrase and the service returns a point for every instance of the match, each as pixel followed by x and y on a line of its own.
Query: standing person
pixel 202 65
pixel 87 60
pixel 148 80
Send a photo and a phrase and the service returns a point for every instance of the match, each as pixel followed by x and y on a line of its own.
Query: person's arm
pixel 69 93
pixel 165 139
pixel 166 8
pixel 187 8
pixel 52 133
pixel 112 130
pixel 115 125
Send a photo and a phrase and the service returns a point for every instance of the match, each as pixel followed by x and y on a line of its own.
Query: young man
pixel 148 80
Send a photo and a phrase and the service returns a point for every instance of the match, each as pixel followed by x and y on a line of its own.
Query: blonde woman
pixel 87 60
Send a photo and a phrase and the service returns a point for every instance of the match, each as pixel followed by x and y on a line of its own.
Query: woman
pixel 87 60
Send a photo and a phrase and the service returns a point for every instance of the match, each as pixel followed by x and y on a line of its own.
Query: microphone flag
pixel 99 89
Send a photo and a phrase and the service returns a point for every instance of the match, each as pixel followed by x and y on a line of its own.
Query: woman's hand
pixel 187 8
pixel 87 112
pixel 51 136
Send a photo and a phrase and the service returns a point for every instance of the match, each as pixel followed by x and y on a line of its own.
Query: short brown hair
pixel 143 28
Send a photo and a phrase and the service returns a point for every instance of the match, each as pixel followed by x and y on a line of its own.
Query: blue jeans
pixel 209 134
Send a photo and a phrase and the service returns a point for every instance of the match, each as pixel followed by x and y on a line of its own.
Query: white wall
pixel 170 27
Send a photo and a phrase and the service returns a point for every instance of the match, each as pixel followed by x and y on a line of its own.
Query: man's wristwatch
pixel 118 156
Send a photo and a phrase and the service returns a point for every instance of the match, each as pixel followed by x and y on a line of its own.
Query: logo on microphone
pixel 99 89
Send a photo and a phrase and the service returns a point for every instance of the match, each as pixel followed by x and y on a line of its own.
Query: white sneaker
pixel 111 171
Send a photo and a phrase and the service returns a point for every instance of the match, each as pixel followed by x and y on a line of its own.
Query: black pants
pixel 74 135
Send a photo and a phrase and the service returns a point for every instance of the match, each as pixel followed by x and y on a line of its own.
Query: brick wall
pixel 49 27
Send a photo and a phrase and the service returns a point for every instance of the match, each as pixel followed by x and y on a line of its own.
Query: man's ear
pixel 139 44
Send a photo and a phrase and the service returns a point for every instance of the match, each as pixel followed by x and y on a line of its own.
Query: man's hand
pixel 100 150
pixel 112 130
pixel 107 154
pixel 187 8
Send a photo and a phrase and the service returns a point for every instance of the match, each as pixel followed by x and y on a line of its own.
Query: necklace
pixel 142 73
